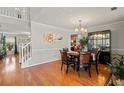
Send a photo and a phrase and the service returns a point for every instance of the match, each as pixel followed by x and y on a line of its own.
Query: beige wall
pixel 43 51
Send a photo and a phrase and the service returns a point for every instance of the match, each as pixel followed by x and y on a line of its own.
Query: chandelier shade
pixel 79 28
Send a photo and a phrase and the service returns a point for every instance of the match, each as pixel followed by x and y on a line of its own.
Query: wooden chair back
pixel 85 58
pixel 64 56
pixel 95 51
pixel 97 57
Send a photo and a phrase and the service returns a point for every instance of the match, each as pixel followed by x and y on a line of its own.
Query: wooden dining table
pixel 76 56
pixel 73 53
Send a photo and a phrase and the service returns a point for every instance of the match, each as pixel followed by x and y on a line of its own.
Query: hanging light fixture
pixel 80 28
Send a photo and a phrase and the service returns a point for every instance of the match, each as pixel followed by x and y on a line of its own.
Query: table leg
pixel 78 66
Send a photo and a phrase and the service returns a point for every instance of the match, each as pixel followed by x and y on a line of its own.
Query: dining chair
pixel 65 49
pixel 95 59
pixel 66 60
pixel 85 61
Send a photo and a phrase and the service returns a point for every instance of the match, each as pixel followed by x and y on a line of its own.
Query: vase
pixel 120 82
pixel 1 57
pixel 85 47
pixel 114 80
pixel 117 82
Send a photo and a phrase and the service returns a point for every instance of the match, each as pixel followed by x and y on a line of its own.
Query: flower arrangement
pixel 83 41
pixel 9 46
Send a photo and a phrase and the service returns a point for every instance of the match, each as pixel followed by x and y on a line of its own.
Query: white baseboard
pixel 45 62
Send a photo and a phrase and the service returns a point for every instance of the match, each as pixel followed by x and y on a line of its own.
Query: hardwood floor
pixel 48 74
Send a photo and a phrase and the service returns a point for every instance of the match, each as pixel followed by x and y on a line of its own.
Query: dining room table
pixel 75 55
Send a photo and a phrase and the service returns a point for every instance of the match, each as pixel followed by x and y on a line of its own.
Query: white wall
pixel 43 51
pixel 117 34
pixel 13 25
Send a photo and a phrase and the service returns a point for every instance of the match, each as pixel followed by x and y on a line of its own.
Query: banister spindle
pixel 20 13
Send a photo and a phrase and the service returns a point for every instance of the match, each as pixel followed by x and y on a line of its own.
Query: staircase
pixel 19 17
pixel 25 54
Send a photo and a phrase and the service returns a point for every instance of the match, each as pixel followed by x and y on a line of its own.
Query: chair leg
pixel 74 67
pixel 85 68
pixel 78 69
pixel 97 70
pixel 67 69
pixel 90 70
pixel 61 66
pixel 78 73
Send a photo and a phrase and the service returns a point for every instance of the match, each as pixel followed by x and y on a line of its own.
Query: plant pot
pixel 120 82
pixel 82 49
pixel 85 47
pixel 114 80
pixel 9 52
pixel 117 82
pixel 1 57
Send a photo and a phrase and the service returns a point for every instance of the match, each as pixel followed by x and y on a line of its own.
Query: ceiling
pixel 67 17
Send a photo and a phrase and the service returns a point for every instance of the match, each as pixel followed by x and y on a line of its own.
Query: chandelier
pixel 80 28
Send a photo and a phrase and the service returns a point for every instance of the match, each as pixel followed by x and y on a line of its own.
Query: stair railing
pixel 25 52
pixel 19 13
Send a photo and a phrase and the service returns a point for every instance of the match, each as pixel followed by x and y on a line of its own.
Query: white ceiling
pixel 68 17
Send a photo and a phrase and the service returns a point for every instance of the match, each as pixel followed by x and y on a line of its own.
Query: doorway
pixel 10 45
pixel 73 40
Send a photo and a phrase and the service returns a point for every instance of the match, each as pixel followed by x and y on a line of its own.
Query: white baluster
pixel 7 12
pixel 14 12
pixel 20 53
pixel 25 52
pixel 4 11
pixel 29 51
pixel 22 57
pixel 0 10
pixel 20 13
pixel 11 12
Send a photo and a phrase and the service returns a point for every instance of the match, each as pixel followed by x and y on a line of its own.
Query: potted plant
pixel 117 69
pixel 9 46
pixel 83 42
pixel 1 53
pixel 15 46
pixel 4 45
